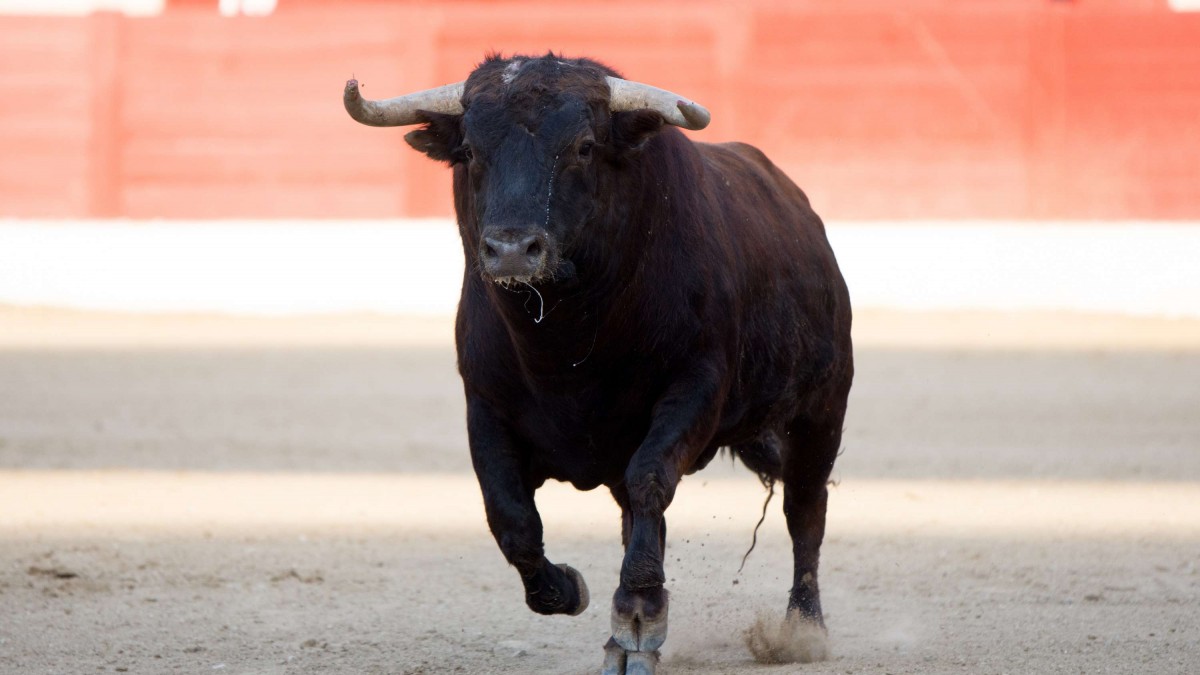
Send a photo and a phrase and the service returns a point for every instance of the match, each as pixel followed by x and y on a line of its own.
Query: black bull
pixel 633 301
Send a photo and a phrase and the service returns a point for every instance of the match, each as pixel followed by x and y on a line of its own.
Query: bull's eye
pixel 585 149
pixel 467 154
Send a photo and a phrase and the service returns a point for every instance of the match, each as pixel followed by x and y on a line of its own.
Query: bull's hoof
pixel 556 589
pixel 641 663
pixel 639 624
pixel 796 639
pixel 639 619
pixel 580 588
pixel 614 659
pixel 617 661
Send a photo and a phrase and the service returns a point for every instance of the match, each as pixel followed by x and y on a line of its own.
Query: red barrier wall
pixel 988 109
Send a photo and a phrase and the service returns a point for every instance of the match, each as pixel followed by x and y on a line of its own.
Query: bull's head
pixel 530 140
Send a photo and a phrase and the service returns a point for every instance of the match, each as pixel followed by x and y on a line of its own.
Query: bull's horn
pixel 628 95
pixel 402 110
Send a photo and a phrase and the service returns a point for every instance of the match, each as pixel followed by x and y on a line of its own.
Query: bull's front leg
pixel 681 426
pixel 513 518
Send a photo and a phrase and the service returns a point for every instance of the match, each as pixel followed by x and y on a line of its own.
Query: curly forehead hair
pixel 526 80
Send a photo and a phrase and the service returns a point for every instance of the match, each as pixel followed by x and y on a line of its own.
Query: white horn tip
pixel 697 116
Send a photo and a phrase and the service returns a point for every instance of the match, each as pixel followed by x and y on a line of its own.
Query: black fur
pixel 690 301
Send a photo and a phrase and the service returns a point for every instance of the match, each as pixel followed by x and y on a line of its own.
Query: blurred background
pixel 1016 109
pixel 231 431
pixel 219 117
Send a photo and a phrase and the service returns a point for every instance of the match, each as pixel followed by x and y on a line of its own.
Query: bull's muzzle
pixel 513 256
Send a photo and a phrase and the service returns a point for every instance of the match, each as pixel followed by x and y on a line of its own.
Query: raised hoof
pixel 580 587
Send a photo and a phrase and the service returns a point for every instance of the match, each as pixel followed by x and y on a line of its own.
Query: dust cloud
pixel 788 640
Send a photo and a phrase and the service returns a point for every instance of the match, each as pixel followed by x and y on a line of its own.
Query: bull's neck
pixel 566 326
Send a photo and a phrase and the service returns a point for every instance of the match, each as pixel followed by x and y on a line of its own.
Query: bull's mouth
pixel 507 276
pixel 528 264
pixel 509 283
pixel 553 269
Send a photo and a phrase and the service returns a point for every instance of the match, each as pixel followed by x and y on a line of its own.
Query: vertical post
pixel 104 144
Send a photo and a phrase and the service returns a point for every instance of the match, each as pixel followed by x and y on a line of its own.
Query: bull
pixel 633 302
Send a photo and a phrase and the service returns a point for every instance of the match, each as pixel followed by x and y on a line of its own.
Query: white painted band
pixel 415 266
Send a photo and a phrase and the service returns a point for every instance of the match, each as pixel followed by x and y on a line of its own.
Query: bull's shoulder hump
pixel 740 161
pixel 735 158
pixel 735 150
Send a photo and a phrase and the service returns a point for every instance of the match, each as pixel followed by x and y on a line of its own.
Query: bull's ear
pixel 632 128
pixel 439 138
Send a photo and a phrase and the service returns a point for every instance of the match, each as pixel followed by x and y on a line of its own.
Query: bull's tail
pixel 762 456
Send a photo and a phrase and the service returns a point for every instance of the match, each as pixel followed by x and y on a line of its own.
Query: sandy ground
pixel 1018 494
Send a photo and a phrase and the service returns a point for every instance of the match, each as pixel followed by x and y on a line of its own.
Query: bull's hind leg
pixel 806 468
pixel 810 448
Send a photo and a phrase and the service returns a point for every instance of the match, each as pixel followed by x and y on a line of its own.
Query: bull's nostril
pixel 515 255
